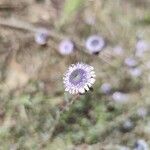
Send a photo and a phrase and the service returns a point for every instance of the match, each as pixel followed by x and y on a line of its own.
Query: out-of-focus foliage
pixel 70 8
pixel 115 115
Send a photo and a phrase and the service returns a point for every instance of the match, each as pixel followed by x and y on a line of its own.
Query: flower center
pixel 77 76
pixel 95 42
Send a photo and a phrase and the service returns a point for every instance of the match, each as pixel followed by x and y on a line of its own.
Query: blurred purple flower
pixel 94 44
pixel 141 47
pixel 135 72
pixel 66 47
pixel 41 36
pixel 141 145
pixel 106 88
pixel 130 62
pixel 79 78
pixel 120 97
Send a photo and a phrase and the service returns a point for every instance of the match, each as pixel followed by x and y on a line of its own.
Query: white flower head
pixel 79 78
pixel 66 47
pixel 94 44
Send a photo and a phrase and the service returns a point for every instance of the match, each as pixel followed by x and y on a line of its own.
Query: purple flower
pixel 135 72
pixel 106 88
pixel 79 78
pixel 94 44
pixel 41 36
pixel 66 47
pixel 141 47
pixel 120 97
pixel 130 62
pixel 141 145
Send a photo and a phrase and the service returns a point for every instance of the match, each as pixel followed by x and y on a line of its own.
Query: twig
pixel 14 23
pixel 17 24
pixel 65 107
pixel 9 7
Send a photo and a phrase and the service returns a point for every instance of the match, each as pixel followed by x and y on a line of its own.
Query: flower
pixel 130 62
pixel 79 78
pixel 120 97
pixel 141 145
pixel 66 47
pixel 141 47
pixel 94 44
pixel 135 72
pixel 106 88
pixel 41 36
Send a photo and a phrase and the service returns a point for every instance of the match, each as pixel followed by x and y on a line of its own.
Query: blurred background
pixel 33 59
